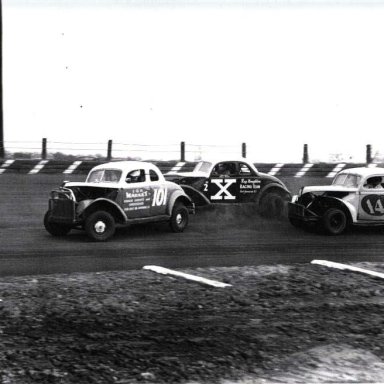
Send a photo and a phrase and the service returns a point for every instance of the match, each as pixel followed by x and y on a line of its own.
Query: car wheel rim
pixel 100 227
pixel 336 221
pixel 179 219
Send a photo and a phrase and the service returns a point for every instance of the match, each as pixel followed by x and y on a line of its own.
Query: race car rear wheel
pixel 273 205
pixel 334 221
pixel 180 217
pixel 55 229
pixel 100 226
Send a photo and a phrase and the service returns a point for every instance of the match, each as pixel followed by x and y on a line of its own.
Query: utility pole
pixel 2 151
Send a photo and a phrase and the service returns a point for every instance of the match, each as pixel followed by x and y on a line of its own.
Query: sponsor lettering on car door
pixel 137 195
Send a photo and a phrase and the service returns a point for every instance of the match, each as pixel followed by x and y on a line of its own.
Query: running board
pixel 150 219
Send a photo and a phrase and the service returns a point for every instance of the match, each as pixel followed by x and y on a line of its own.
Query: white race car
pixel 356 197
pixel 117 193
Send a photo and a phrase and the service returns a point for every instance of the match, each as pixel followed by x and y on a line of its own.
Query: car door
pixel 249 183
pixel 137 195
pixel 371 203
pixel 160 194
pixel 232 182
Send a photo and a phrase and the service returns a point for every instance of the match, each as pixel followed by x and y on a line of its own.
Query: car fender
pixel 179 194
pixel 322 203
pixel 195 195
pixel 270 186
pixel 103 203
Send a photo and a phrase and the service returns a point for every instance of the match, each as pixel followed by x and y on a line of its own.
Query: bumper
pixel 301 213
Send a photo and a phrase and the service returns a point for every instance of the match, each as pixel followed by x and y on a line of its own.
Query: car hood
pixel 329 188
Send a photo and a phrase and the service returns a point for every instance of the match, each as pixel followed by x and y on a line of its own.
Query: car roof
pixel 225 160
pixel 364 171
pixel 127 165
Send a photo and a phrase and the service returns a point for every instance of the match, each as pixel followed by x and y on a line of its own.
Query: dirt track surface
pixel 276 324
pixel 285 322
pixel 224 237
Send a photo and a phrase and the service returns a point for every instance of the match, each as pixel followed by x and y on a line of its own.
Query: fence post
pixel 244 150
pixel 369 154
pixel 182 151
pixel 109 153
pixel 305 154
pixel 44 149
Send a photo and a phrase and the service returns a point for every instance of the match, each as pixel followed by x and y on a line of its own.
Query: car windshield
pixel 104 176
pixel 347 180
pixel 203 166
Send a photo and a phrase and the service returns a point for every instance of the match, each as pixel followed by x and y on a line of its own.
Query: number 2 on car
pixel 159 197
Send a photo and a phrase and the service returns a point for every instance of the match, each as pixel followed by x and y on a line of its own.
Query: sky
pixel 214 74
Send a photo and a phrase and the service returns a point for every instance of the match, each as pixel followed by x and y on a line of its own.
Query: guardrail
pixel 52 150
pixel 33 167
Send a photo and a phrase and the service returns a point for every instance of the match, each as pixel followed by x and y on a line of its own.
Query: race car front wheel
pixel 179 218
pixel 334 221
pixel 55 229
pixel 100 226
pixel 296 222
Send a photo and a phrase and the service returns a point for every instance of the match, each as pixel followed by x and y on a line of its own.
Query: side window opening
pixel 153 175
pixel 225 169
pixel 136 176
pixel 375 182
pixel 245 170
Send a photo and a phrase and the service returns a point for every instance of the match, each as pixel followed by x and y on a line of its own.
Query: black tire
pixel 273 205
pixel 55 229
pixel 100 226
pixel 334 221
pixel 296 222
pixel 180 217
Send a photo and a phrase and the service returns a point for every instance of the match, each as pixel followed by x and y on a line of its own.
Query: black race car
pixel 230 182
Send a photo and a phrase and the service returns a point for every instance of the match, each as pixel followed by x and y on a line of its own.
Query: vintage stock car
pixel 117 194
pixel 233 181
pixel 356 197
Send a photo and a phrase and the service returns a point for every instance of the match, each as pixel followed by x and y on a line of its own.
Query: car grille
pixel 62 209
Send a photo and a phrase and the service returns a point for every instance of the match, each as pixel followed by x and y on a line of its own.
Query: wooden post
pixel 44 149
pixel 305 154
pixel 369 154
pixel 182 151
pixel 109 152
pixel 244 150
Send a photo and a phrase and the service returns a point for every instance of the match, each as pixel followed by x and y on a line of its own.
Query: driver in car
pixel 374 183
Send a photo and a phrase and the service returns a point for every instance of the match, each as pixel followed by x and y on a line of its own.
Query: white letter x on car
pixel 223 189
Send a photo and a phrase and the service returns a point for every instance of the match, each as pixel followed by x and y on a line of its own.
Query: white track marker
pixel 335 170
pixel 275 169
pixel 38 167
pixel 198 279
pixel 177 167
pixel 5 165
pixel 72 167
pixel 331 264
pixel 304 170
